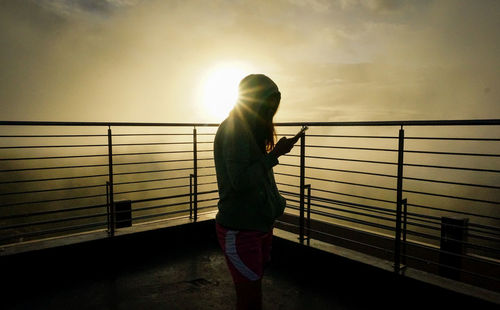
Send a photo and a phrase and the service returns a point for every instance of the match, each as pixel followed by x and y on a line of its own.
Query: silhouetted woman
pixel 249 203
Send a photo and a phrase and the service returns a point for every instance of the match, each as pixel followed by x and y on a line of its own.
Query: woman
pixel 249 203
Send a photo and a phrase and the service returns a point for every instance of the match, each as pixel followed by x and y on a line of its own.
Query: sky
pixel 337 60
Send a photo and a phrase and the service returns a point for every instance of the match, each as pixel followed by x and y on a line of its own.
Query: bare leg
pixel 249 295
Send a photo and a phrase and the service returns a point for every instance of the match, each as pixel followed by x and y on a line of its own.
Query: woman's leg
pixel 245 254
pixel 249 295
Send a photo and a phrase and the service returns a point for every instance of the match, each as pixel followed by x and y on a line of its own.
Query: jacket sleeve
pixel 245 172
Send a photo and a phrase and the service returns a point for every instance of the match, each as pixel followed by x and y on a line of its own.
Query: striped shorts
pixel 246 252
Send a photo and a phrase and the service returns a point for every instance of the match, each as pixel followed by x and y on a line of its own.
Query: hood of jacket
pixel 253 91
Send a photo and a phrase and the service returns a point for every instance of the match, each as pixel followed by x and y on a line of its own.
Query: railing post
pixel 405 211
pixel 111 204
pixel 399 202
pixel 191 176
pixel 308 222
pixel 195 174
pixel 302 185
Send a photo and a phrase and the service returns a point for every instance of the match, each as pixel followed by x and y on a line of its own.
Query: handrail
pixel 462 122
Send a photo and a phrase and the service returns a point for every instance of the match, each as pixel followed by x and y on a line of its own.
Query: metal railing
pixel 428 200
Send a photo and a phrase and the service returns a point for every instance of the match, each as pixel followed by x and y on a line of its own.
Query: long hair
pixel 252 109
pixel 268 138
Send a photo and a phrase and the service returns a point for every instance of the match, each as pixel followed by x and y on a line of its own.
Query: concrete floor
pixel 183 268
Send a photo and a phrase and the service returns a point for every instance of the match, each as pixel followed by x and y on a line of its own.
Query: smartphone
pixel 297 136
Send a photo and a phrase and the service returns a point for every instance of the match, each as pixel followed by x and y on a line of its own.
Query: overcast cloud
pixel 333 60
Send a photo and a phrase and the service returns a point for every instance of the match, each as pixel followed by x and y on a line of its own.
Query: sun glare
pixel 220 89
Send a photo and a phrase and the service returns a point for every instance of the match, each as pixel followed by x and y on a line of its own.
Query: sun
pixel 219 90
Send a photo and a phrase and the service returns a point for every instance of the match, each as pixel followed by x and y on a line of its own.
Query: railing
pixel 422 194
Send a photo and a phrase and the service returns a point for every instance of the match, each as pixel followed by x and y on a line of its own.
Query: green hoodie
pixel 248 195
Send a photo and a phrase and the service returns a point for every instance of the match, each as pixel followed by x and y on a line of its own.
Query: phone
pixel 300 132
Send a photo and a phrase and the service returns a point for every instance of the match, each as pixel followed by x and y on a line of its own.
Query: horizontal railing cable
pixel 452 211
pixel 355 196
pixel 53 167
pixel 153 171
pixel 353 229
pixel 151 180
pixel 451 168
pixel 41 213
pixel 393 163
pixel 351 136
pixel 452 153
pixel 340 238
pixel 351 183
pixel 151 162
pixel 345 218
pixel 436 238
pixel 451 196
pixel 160 198
pixel 150 134
pixel 54 231
pixel 74 218
pixel 437 221
pixel 345 159
pixel 452 182
pixel 352 148
pixel 160 206
pixel 54 157
pixel 351 204
pixel 55 179
pixel 55 136
pixel 438 229
pixel 151 153
pixel 207 183
pixel 50 146
pixel 51 190
pixel 50 200
pixel 167 205
pixel 352 171
pixel 451 138
pixel 143 217
pixel 152 143
pixel 150 189
pixel 206 175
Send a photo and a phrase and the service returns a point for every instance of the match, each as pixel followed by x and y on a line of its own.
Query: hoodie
pixel 248 196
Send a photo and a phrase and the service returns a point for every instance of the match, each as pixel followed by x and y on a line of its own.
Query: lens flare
pixel 220 89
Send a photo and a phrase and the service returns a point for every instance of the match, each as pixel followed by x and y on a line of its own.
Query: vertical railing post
pixel 308 222
pixel 108 220
pixel 399 202
pixel 405 211
pixel 111 204
pixel 191 176
pixel 302 185
pixel 195 174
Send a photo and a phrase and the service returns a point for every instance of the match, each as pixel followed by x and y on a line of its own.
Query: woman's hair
pixel 269 136
pixel 258 100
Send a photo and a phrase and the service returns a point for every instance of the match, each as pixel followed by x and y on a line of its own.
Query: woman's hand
pixel 284 145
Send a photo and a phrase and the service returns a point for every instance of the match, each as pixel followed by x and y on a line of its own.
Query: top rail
pixel 463 122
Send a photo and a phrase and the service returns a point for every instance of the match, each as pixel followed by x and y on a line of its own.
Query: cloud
pixel 384 5
pixel 127 60
pixel 75 8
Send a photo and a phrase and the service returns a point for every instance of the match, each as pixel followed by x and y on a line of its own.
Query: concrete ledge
pixel 422 276
pixel 40 244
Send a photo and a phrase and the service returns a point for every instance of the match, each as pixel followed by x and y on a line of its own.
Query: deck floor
pixel 178 269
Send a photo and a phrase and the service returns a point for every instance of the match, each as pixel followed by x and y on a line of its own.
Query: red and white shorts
pixel 246 252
